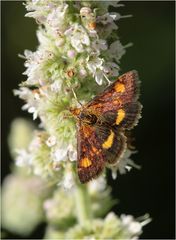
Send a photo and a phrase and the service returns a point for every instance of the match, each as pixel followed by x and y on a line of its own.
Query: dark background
pixel 151 29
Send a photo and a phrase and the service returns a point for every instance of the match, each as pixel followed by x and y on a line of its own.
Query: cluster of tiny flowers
pixel 77 50
pixel 111 227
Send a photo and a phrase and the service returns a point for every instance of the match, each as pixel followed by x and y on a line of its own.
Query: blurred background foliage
pixel 151 29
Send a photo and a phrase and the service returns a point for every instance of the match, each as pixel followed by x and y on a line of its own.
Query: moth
pixel 102 124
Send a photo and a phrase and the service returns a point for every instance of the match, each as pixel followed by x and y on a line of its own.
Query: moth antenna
pixel 109 82
pixel 74 94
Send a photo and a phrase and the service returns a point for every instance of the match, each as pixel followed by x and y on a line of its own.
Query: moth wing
pixel 112 142
pixel 97 146
pixel 132 112
pixel 91 159
pixel 124 90
pixel 125 117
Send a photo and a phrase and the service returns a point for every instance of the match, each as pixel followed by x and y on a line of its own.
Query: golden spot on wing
pixel 109 141
pixel 119 87
pixel 120 116
pixel 85 162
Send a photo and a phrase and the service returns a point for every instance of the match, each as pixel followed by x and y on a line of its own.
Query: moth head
pixel 75 111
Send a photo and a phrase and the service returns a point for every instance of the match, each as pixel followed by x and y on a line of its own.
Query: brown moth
pixel 102 123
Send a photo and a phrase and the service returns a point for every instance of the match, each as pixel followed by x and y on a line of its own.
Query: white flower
pixel 98 45
pixel 32 99
pixel 134 227
pixel 116 50
pixel 43 39
pixel 38 15
pixel 95 66
pixel 71 53
pixel 111 69
pixel 78 41
pixel 34 111
pixel 108 21
pixel 60 154
pixel 100 69
pixel 56 18
pixel 33 66
pixel 79 38
pixel 23 93
pixel 51 141
pixel 101 44
pixel 124 164
pixel 108 18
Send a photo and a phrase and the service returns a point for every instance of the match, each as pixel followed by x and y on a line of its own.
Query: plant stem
pixel 83 205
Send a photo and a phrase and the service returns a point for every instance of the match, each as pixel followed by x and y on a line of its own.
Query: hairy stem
pixel 83 205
